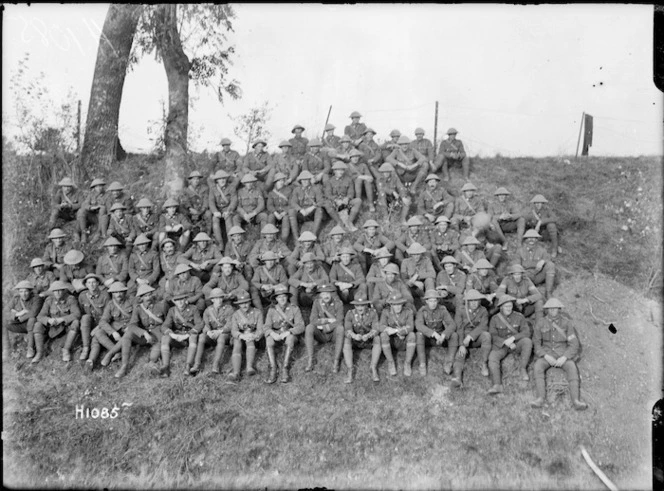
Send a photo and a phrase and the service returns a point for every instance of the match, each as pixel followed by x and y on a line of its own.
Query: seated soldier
pixel 330 140
pixel 112 266
pixel 195 202
pixel 434 201
pixel 306 280
pixel 65 203
pixel 469 253
pixel 222 203
pixel 528 297
pixel 246 330
pixel 266 277
pixel 120 227
pixel 392 284
pixel 490 243
pixel 202 257
pixel 306 203
pixel 168 261
pixel 59 313
pixel 55 250
pixel 230 162
pixel 414 233
pixel 505 216
pixel 305 243
pixel 228 280
pixel 93 301
pixel 444 241
pixel 348 277
pixel 410 165
pixel 390 190
pixel 510 333
pixel 238 249
pixel 146 222
pixel 20 316
pixel 73 271
pixel 250 204
pixel 258 163
pixel 184 282
pixel 113 324
pixel 423 145
pixel 387 147
pixel 143 266
pixel 269 242
pixel 466 207
pixel 434 326
pixel 417 271
pixel 371 152
pixel 41 278
pixel 541 218
pixel 361 331
pixel 174 225
pixel 376 273
pixel 326 323
pixel 556 345
pixel 277 205
pixel 451 283
pixel 333 245
pixel 355 129
pixel 361 175
pixel 473 332
pixel 450 152
pixel 534 258
pixel 283 323
pixel 317 162
pixel 483 279
pixel 93 208
pixel 216 329
pixel 369 242
pixel 283 163
pixel 341 204
pixel 116 194
pixel 181 328
pixel 144 328
pixel 299 144
pixel 396 328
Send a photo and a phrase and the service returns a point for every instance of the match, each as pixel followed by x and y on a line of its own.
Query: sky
pixel 511 79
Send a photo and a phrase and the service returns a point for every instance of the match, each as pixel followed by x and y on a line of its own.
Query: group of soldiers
pixel 183 275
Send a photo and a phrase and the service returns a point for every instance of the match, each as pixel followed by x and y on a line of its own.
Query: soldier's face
pixel 269 238
pixel 171 210
pixel 284 149
pixel 538 206
pixel 416 257
pixel 449 267
pixel 66 189
pixel 552 312
pixel 369 136
pixel 244 306
pixel 307 245
pixel 326 296
pixel 298 131
pixel 419 136
pixel 443 292
pixel 216 302
pixel 397 307
pixel 337 238
pixel 442 226
pixel 226 147
pixel 339 173
pixel 383 261
pixel 143 247
pixel 116 193
pixel 469 193
pixel 355 159
pixel 432 303
pixel 345 259
pixel 309 266
pixel 58 241
pixel 119 296
pixel 361 308
pixel 58 294
pixel 194 181
pixel 98 189
pixel 403 146
pixel 184 276
pixel 483 272
pixel 414 229
pixel 148 298
pixel 249 185
pixel 38 270
pixel 259 148
pixel 371 231
pixel 389 277
pixel 236 238
pixel 269 264
pixel 280 184
pixel 202 244
pixel 282 300
pixel 506 308
pixel 305 183
pixel 470 247
pixel 315 149
pixel 394 138
pixel 221 182
pixel 530 242
pixel 355 119
pixel 168 248
pixel 386 174
pixel 92 284
pixel 119 214
pixel 517 277
pixel 432 183
pixel 451 136
pixel 473 304
pixel 112 250
pixel 24 293
pixel 144 210
pixel 502 197
pixel 227 269
pixel 180 303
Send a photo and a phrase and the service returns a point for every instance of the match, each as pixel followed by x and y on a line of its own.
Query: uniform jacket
pixel 424 146
pixel 117 315
pixel 286 163
pixel 168 264
pixel 141 320
pixel 198 199
pixel 73 199
pixel 148 226
pixel 250 201
pixel 41 282
pixel 94 305
pixel 362 324
pixel 407 238
pixel 273 277
pixel 547 340
pixel 279 200
pixel 528 258
pixel 524 289
pixel 390 184
pixel 382 291
pixel 299 147
pixel 192 286
pixel 55 255
pixel 376 242
pixel 195 256
pixel 422 267
pixel 262 246
pixel 144 265
pixel 252 322
pixel 339 188
pixel 94 198
pixel 339 272
pixel 121 229
pixel 67 308
pixel 258 162
pixel 545 215
pixel 496 208
pixel 468 259
pixel 223 199
pixel 471 323
pixel 438 320
pixel 316 163
pixel 238 252
pixel 177 219
pixel 448 147
pixel 185 321
pixel 33 305
pixel 404 319
pixel 318 276
pixel 215 319
pixel 444 242
pixel 428 198
pixel 123 198
pixel 71 272
pixel 228 284
pixel 286 319
pixel 502 327
pixel 468 207
pixel 229 161
pixel 485 285
pixel 116 267
pixel 321 311
pixel 355 130
pixel 456 282
pixel 299 251
pixel 304 198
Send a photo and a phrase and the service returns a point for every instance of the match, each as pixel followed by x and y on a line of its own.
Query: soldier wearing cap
pixel 541 218
pixel 556 344
pixel 277 205
pixel 361 331
pixel 116 194
pixel 20 315
pixel 258 163
pixel 510 333
pixel 410 165
pixel 223 202
pixel 423 145
pixel 112 326
pixel 371 152
pixel 466 206
pixel 228 281
pixel 59 312
pixel 168 261
pixel 317 162
pixel 65 203
pixel 332 246
pixel 355 129
pixel 246 330
pixel 269 242
pixel 306 203
pixel 181 328
pixel 341 204
pixel 267 275
pixel 392 284
pixel 55 250
pixel 173 224
pixel 146 222
pixel 417 270
pixel 305 243
pixel 299 143
pixel 451 284
pixel 451 151
pixel 343 152
pixel 376 273
pixel 444 241
pixel 120 227
pixel 238 249
pixel 286 163
pixel 93 301
pixel 390 189
pixel 216 329
pixel 535 259
pixel 413 233
pixel 528 297
pixel 362 176
pixel 330 140
pixel 434 201
pixel 326 323
pixel 250 203
pixel 472 322
pixel 202 257
pixel 184 282
pixel 505 214
pixel 347 276
pixel 74 270
pixel 387 147
pixel 283 323
pixel 93 208
pixel 369 242
pixel 111 265
pixel 306 280
pixel 230 162
pixel 469 254
pixel 143 265
pixel 434 326
pixel 144 328
pixel 396 328
pixel 41 278
pixel 195 202
pixel 483 279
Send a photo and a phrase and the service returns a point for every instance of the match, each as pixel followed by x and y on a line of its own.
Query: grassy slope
pixel 407 434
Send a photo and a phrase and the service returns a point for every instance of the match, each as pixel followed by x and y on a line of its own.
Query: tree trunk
pixel 177 67
pixel 101 127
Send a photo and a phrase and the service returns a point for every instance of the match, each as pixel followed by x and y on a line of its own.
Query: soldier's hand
pixel 512 346
pixel 116 335
pixel 147 336
pixel 467 340
pixel 216 214
pixel 462 352
pixel 509 341
pixel 560 361
pixel 552 361
pixel 540 264
pixel 522 301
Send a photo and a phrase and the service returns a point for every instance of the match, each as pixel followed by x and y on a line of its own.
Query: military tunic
pixel 281 320
pixel 362 324
pixel 116 316
pixel 147 226
pixel 113 267
pixel 143 265
pixel 185 321
pixel 229 285
pixel 250 322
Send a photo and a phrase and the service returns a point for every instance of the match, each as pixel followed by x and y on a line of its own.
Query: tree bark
pixel 101 134
pixel 177 67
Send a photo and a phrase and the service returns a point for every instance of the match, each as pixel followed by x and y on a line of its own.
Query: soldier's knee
pixel 539 306
pixel 410 338
pixel 269 341
pixel 309 329
pixel 549 268
pixel 74 326
pixel 484 337
pixel 420 338
pixel 39 328
pixel 525 343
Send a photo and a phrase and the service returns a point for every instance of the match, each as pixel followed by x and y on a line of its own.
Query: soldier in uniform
pixel 182 326
pixel 168 261
pixel 326 323
pixel 534 258
pixel 40 277
pixel 355 129
pixel 216 329
pixel 371 152
pixel 74 270
pixel 184 282
pixel 376 273
pixel 223 202
pixel 202 257
pixel 369 242
pixel 230 162
pixel 466 206
pixel 196 204
pixel 417 270
pixel 55 250
pixel 556 345
pixel 237 248
pixel 59 312
pixel 93 208
pixel 483 279
pixel 258 163
pixel 348 277
pixel 174 225
pixel 317 162
pixel 115 194
pixel 266 277
pixel 65 203
pixel 451 283
pixel 444 241
pixel 228 281
pixel 413 234
pixel 396 328
pixel 450 152
pixel 250 203
pixel 283 323
pixel 306 203
pixel 505 215
pixel 528 297
pixel 144 328
pixel 20 316
pixel 247 330
pixel 434 201
pixel 410 165
pixel 284 163
pixel 510 333
pixel 120 227
pixel 544 221
pixel 93 301
pixel 305 243
pixel 143 266
pixel 146 222
pixel 387 147
pixel 306 280
pixel 269 242
pixel 434 326
pixel 361 175
pixel 333 245
pixel 392 284
pixel 277 205
pixel 361 331
pixel 469 254
pixel 472 322
pixel 330 140
pixel 343 152
pixel 423 145
pixel 299 144
pixel 112 266
pixel 341 200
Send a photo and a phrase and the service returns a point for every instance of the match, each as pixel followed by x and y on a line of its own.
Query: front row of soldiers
pixel 124 321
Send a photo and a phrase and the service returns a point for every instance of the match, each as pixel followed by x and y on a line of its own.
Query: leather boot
pixel 121 372
pixel 251 354
pixel 456 377
pixel 540 387
pixel 218 354
pixel 106 361
pixel 199 354
pixel 295 229
pixel 309 342
pixel 391 366
pixel 30 353
pixel 548 284
pixel 191 354
pixel 348 360
pixel 375 356
pixel 451 351
pixel 39 347
pixel 575 393
pixel 94 354
pixel 285 376
pixel 236 362
pixel 165 362
pixel 338 348
pixel 410 353
pixel 66 350
pixel 421 354
pixel 495 389
pixel 6 343
pixel 272 378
